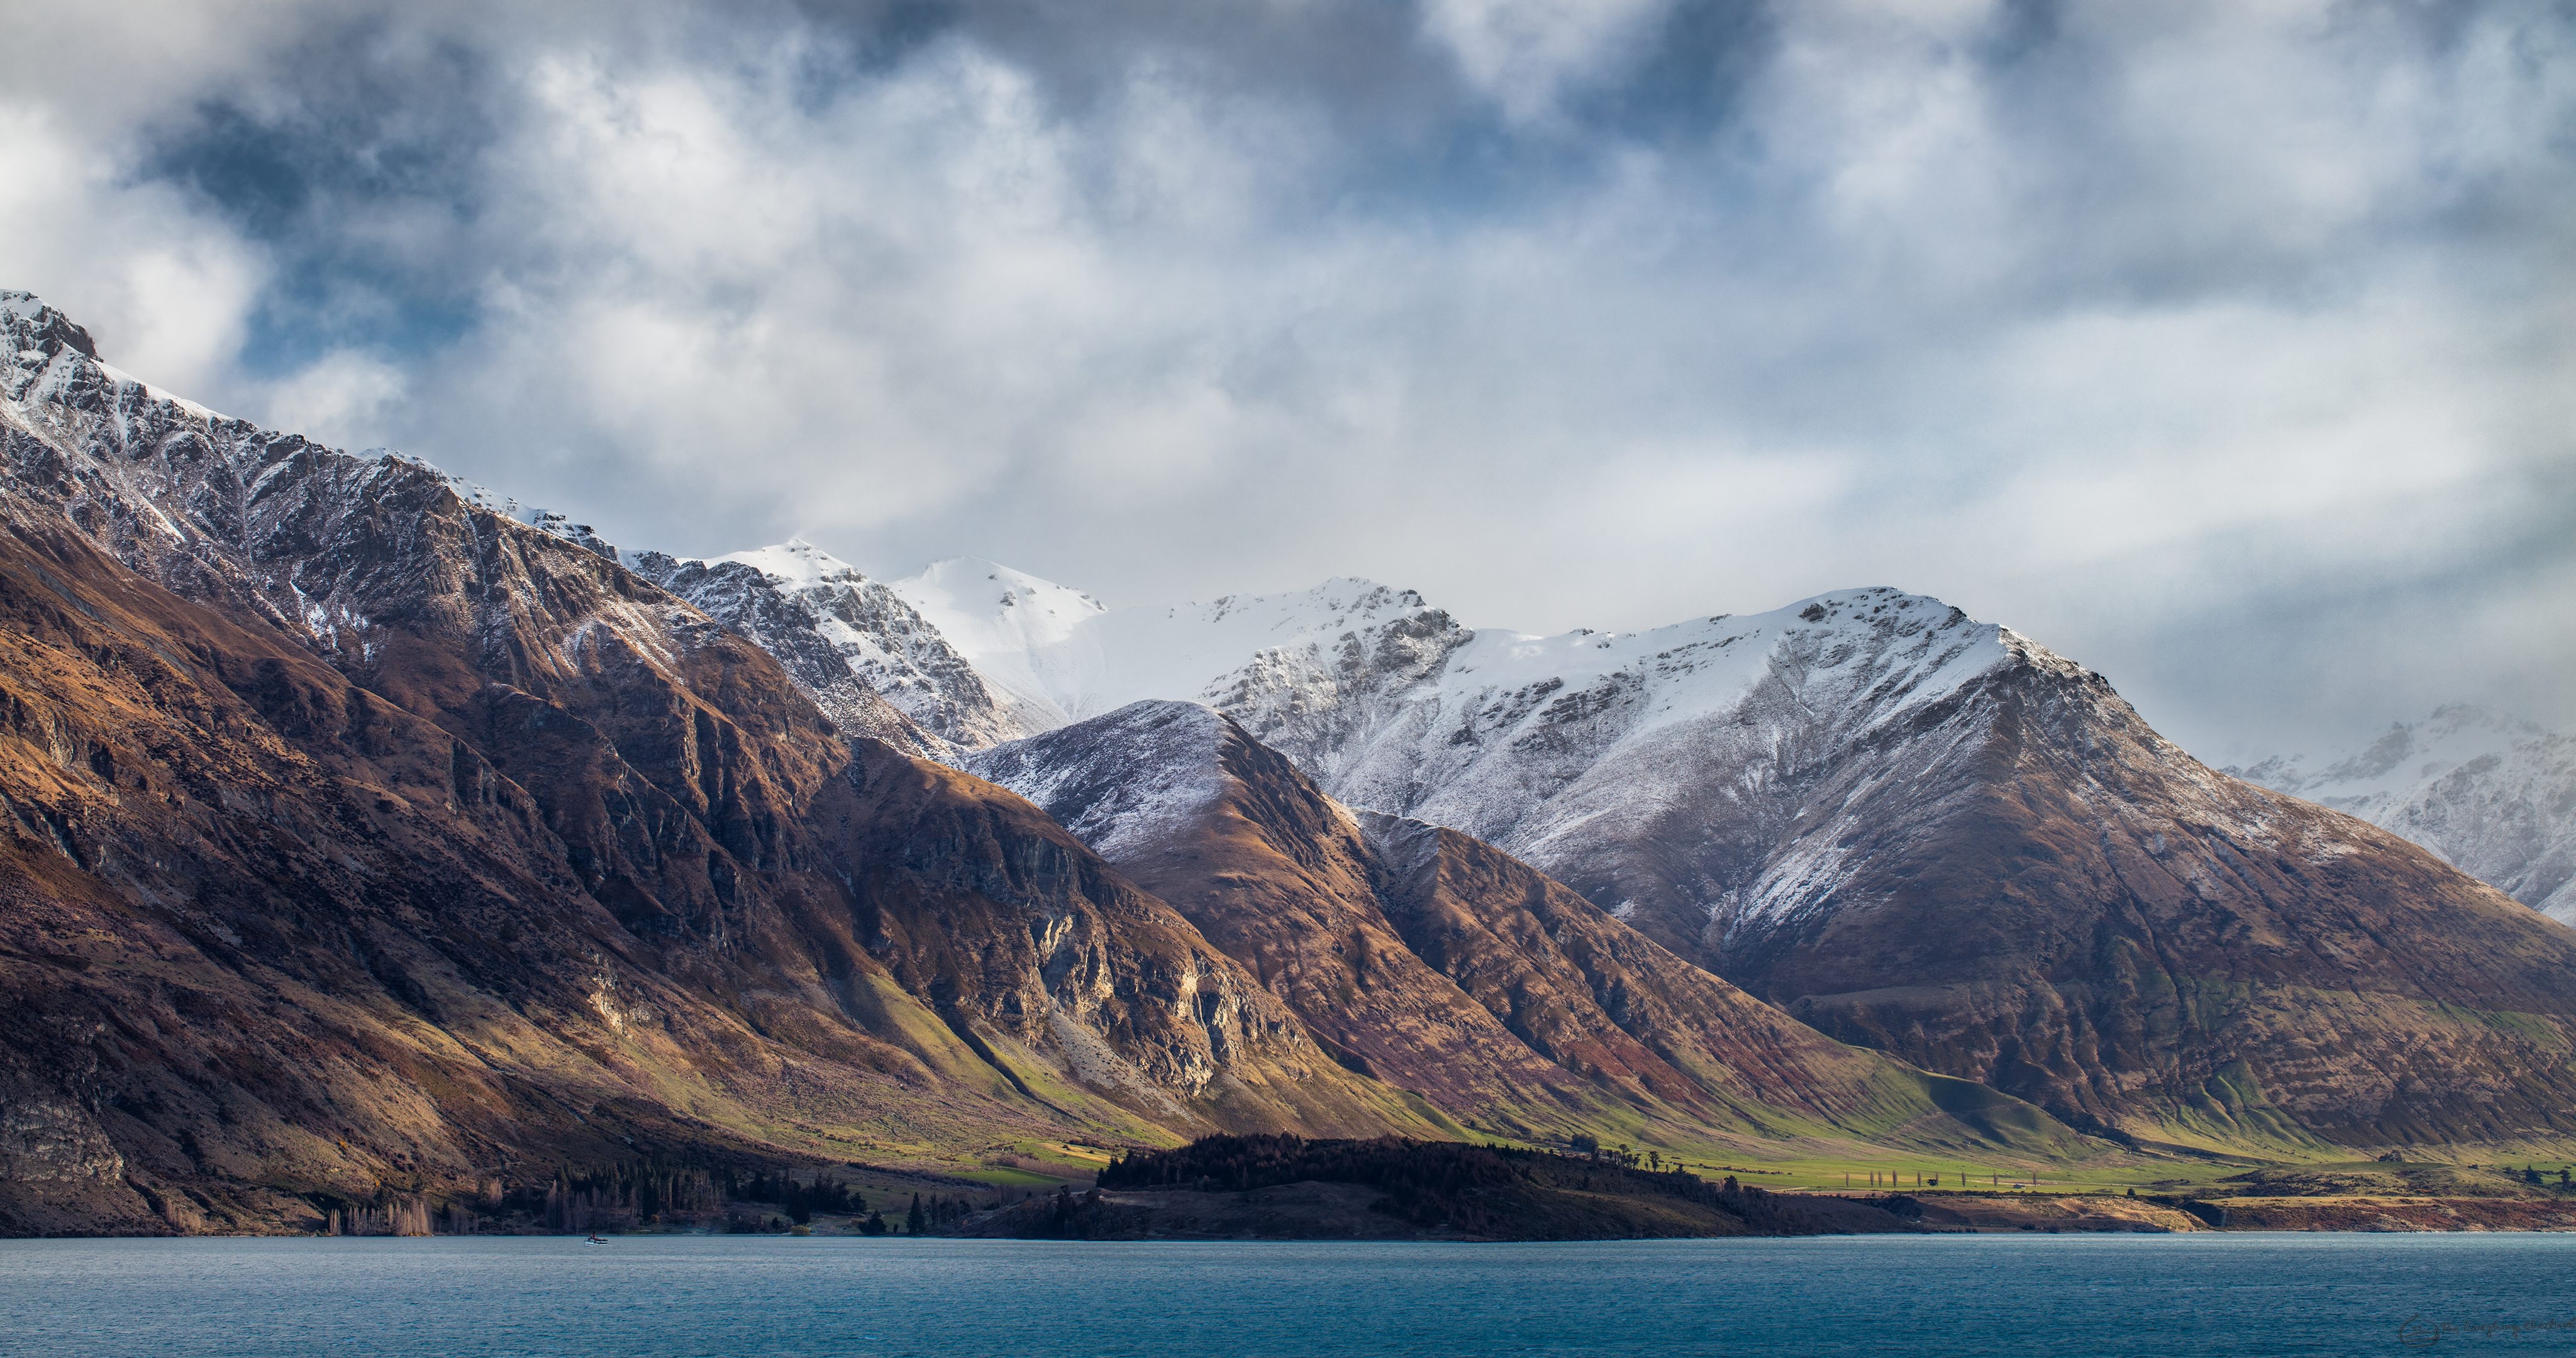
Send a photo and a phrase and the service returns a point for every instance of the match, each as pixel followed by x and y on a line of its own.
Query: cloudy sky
pixel 2229 347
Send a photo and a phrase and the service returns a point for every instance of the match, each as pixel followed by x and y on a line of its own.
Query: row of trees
pixel 1426 1181
pixel 799 1200
pixel 398 1216
pixel 625 1195
pixel 1486 1190
pixel 1590 1148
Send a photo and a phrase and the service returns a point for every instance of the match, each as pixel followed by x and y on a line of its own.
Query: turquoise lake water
pixel 2255 1295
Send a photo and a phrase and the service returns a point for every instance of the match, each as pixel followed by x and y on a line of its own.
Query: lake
pixel 2266 1295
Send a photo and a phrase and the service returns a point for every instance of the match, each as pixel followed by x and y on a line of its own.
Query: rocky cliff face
pixel 362 834
pixel 1451 969
pixel 851 642
pixel 2493 795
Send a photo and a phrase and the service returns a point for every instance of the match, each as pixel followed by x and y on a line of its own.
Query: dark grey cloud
pixel 363 175
pixel 2223 346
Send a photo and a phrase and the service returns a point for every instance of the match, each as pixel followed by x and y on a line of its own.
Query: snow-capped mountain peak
pixel 986 608
pixel 849 641
pixel 798 564
pixel 1143 771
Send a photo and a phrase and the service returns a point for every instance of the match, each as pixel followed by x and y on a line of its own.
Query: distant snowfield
pixel 2492 793
pixel 1060 646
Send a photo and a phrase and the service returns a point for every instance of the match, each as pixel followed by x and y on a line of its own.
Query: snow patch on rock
pixel 1123 783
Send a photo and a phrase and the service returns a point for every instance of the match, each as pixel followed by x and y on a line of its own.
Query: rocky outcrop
pixel 1280 879
pixel 849 641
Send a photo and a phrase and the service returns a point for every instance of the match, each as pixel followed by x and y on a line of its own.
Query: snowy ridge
pixel 2373 781
pixel 1580 752
pixel 546 521
pixel 1141 775
pixel 218 508
pixel 2493 794
pixel 798 564
pixel 850 641
pixel 1014 628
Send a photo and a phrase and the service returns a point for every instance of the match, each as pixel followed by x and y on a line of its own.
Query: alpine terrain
pixel 359 836
pixel 364 834
pixel 2494 795
pixel 1917 831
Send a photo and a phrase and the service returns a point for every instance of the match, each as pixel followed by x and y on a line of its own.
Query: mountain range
pixel 368 832
pixel 1917 832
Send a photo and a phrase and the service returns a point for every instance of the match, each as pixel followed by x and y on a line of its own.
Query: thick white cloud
pixel 2224 346
pixel 166 286
pixel 1524 54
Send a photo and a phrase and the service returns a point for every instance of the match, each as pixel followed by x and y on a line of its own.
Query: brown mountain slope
pixel 1278 877
pixel 266 934
pixel 542 864
pixel 1448 968
pixel 2056 901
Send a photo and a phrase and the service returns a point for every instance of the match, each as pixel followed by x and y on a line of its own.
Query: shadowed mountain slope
pixel 2031 888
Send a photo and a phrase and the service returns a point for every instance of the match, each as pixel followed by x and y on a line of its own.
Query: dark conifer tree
pixel 916 1222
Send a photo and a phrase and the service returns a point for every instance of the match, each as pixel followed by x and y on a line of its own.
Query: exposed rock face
pixel 267 932
pixel 1449 968
pixel 850 641
pixel 359 833
pixel 1600 999
pixel 2495 796
pixel 1285 889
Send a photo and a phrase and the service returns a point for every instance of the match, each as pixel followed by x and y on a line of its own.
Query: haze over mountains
pixel 366 829
pixel 2493 794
